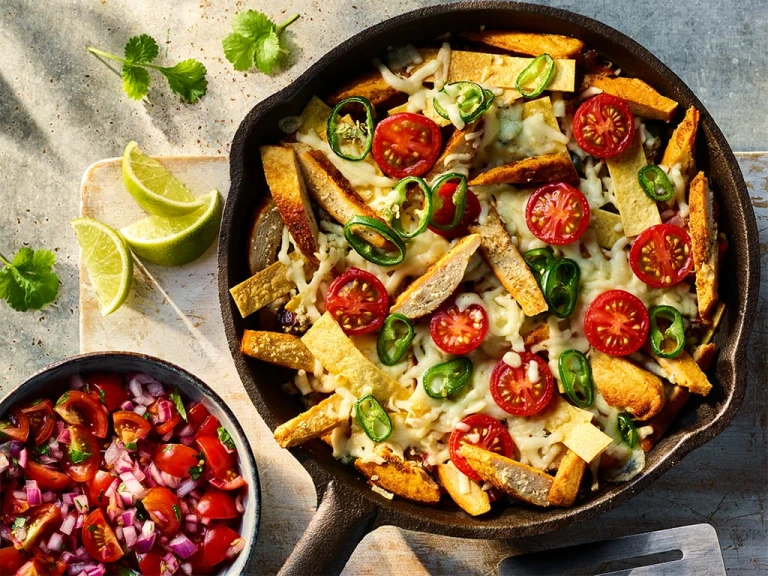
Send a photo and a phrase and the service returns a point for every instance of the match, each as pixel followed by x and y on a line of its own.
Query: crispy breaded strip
pixel 518 480
pixel 704 355
pixel 370 85
pixel 627 386
pixel 643 100
pixel 401 477
pixel 428 291
pixel 474 502
pixel 717 316
pixel 529 43
pixel 278 348
pixel 676 399
pixel 339 356
pixel 684 371
pixel 637 210
pixel 508 265
pixel 457 144
pixel 565 487
pixel 286 183
pixel 534 169
pixel 266 235
pixel 536 336
pixel 313 423
pixel 314 117
pixel 704 244
pixel 608 227
pixel 681 146
pixel 575 427
pixel 262 288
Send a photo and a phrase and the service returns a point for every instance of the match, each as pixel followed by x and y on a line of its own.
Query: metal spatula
pixel 675 552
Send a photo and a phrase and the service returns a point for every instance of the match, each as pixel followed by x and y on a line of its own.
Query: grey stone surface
pixel 61 110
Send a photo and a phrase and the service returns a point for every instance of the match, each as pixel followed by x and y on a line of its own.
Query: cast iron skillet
pixel 51 381
pixel 348 509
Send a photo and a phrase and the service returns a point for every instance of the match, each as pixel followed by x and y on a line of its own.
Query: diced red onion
pixel 112 490
pixel 67 556
pixel 76 382
pixel 154 473
pixel 135 387
pixel 138 473
pixel 80 520
pixel 130 537
pixel 23 456
pixel 182 546
pixel 132 484
pixel 187 431
pixel 197 494
pixel 127 498
pixel 56 542
pixel 205 520
pixel 187 485
pixel 187 440
pixel 64 508
pixel 128 517
pixel 95 569
pixel 15 448
pixel 239 503
pixel 34 496
pixel 68 524
pixel 48 497
pixel 167 437
pixel 64 436
pixel 127 405
pixel 47 459
pixel 140 410
pixel 236 547
pixel 191 528
pixel 44 547
pixel 77 569
pixel 186 567
pixel 20 495
pixel 161 516
pixel 171 563
pixel 68 498
pixel 144 400
pixel 81 503
pixel 82 554
pixel 119 532
pixel 170 481
pixel 144 543
pixel 148 528
pixel 112 454
pixel 164 411
pixel 56 452
pixel 155 388
pixel 4 463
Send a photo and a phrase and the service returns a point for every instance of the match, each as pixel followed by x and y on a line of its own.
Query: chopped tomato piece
pixel 41 520
pixel 358 301
pixel 81 457
pixel 219 540
pixel 483 431
pixel 603 126
pixel 406 144
pixel 130 427
pixel 97 487
pixel 176 459
pixel 229 480
pixel 169 424
pixel 99 539
pixel 41 418
pixel 616 323
pixel 209 428
pixel 82 409
pixel 217 505
pixel 15 427
pixel 46 477
pixel 151 564
pixel 11 560
pixel 109 389
pixel 196 415
pixel 163 508
pixel 523 389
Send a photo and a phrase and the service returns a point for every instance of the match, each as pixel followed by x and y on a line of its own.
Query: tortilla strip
pixel 546 168
pixel 537 336
pixel 607 227
pixel 339 356
pixel 429 112
pixel 370 85
pixel 576 428
pixel 315 422
pixel 508 265
pixel 637 210
pixel 643 100
pixel 565 487
pixel 289 192
pixel 529 43
pixel 401 477
pixel 684 371
pixel 625 385
pixel 706 257
pixel 676 399
pixel 278 348
pixel 475 502
pixel 262 288
pixel 314 117
pixel 457 144
pixel 518 480
pixel 681 147
pixel 428 291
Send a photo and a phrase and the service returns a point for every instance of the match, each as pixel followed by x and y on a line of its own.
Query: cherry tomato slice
pixel 406 144
pixel 557 213
pixel 47 478
pixel 82 409
pixel 217 459
pixel 229 480
pixel 661 256
pixel 479 430
pixel 41 419
pixel 209 428
pixel 603 126
pixel 47 565
pixel 524 390
pixel 81 457
pixel 358 301
pixel 218 540
pixel 11 560
pixel 196 415
pixel 444 214
pixel 163 508
pixel 108 388
pixel 217 505
pixel 12 506
pixel 99 539
pixel 458 332
pixel 169 424
pixel 129 426
pixel 176 459
pixel 15 426
pixel 151 564
pixel 616 323
pixel 97 486
pixel 41 520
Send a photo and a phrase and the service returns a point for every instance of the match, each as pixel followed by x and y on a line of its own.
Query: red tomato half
pixel 41 521
pixel 82 409
pixel 524 390
pixel 229 480
pixel 458 332
pixel 210 427
pixel 616 323
pixel 603 126
pixel 41 419
pixel 557 213
pixel 15 426
pixel 108 388
pixel 97 486
pixel 129 426
pixel 358 301
pixel 217 505
pixel 169 424
pixel 217 459
pixel 47 565
pixel 163 508
pixel 47 478
pixel 218 540
pixel 485 432
pixel 99 539
pixel 406 144
pixel 151 564
pixel 196 415
pixel 661 256
pixel 444 213
pixel 81 458
pixel 176 459
pixel 11 560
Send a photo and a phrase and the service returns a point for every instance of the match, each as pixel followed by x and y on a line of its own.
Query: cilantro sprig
pixel 187 78
pixel 27 282
pixel 255 41
pixel 179 403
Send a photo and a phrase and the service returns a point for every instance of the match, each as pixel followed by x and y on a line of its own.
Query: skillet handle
pixel 342 519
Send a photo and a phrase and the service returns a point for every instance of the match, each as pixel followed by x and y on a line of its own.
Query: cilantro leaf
pixel 19 523
pixel 196 471
pixel 255 41
pixel 135 81
pixel 176 397
pixel 78 457
pixel 187 79
pixel 177 511
pixel 141 49
pixel 27 282
pixel 225 438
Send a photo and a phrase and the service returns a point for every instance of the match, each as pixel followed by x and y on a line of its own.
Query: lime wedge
pixel 153 187
pixel 108 261
pixel 176 241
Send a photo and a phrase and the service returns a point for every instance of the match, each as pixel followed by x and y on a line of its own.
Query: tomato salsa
pixel 118 474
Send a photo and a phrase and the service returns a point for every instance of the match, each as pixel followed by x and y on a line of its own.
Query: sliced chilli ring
pixel 336 130
pixel 366 249
pixel 459 200
pixel 424 213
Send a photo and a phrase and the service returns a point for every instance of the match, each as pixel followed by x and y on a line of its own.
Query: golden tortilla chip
pixel 262 288
pixel 607 227
pixel 278 348
pixel 315 117
pixel 429 112
pixel 642 99
pixel 529 43
pixel 315 422
pixel 574 425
